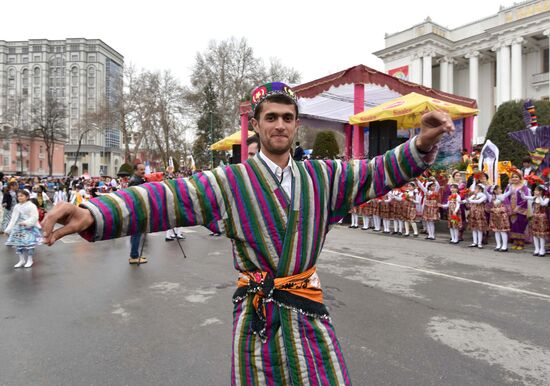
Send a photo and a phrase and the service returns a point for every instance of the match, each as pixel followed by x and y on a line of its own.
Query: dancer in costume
pixel 454 219
pixel 477 219
pixel 355 217
pixel 430 213
pixel 24 230
pixel 539 227
pixel 499 221
pixel 518 209
pixel 276 212
pixel 366 213
pixel 408 201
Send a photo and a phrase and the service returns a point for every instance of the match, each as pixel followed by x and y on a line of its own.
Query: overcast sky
pixel 315 37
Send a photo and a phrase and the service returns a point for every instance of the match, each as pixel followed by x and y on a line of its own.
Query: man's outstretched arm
pixel 357 181
pixel 149 207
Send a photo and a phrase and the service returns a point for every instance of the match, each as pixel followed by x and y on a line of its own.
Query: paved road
pixel 407 312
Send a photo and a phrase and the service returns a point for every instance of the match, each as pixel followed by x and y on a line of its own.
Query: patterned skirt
pixel 454 221
pixel 499 220
pixel 25 237
pixel 375 205
pixel 477 218
pixel 366 209
pixel 431 211
pixel 396 210
pixel 385 210
pixel 540 226
pixel 409 211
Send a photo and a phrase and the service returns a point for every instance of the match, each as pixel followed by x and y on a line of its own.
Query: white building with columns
pixel 493 60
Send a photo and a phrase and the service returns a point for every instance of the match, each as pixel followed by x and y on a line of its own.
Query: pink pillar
pixel 244 136
pixel 468 133
pixel 348 131
pixel 358 132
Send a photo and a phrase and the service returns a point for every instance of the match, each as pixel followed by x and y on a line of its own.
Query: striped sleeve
pixel 357 181
pixel 157 206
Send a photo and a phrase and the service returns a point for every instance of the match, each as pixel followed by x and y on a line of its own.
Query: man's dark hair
pixel 526 160
pixel 137 165
pixel 253 139
pixel 275 98
pixel 297 143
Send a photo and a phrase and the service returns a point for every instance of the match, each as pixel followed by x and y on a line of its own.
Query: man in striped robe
pixel 277 213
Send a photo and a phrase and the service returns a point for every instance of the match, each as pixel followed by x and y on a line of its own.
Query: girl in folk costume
pixel 453 213
pixel 375 205
pixel 366 212
pixel 408 200
pixel 354 217
pixel 477 219
pixel 385 213
pixel 430 213
pixel 499 220
pixel 24 230
pixel 540 228
pixel 396 211
pixel 518 209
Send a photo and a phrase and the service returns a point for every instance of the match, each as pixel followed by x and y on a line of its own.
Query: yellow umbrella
pixel 408 109
pixel 228 142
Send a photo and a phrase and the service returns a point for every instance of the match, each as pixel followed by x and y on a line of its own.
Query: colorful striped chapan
pixel 271 232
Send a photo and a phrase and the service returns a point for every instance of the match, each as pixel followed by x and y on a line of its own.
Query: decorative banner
pixel 400 72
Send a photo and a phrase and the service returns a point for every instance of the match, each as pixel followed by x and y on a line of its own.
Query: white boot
pixel 536 242
pixel 498 240
pixel 21 261
pixel 415 228
pixel 542 249
pixel 504 237
pixel 30 262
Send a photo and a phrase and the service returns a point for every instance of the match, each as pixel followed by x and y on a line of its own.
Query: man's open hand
pixel 432 126
pixel 74 219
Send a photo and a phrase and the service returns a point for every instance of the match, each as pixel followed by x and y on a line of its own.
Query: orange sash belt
pixel 301 292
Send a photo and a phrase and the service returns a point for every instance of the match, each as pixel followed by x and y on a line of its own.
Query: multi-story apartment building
pixel 493 60
pixel 85 76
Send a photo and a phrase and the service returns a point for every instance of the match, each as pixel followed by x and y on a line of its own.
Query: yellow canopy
pixel 228 142
pixel 408 109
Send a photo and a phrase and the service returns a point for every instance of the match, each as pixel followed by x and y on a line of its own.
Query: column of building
pixel 427 68
pixel 416 69
pixel 547 33
pixel 473 62
pixel 517 69
pixel 446 74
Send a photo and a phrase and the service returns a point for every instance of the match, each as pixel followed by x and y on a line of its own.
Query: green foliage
pixel 125 170
pixel 325 146
pixel 209 129
pixel 460 166
pixel 509 118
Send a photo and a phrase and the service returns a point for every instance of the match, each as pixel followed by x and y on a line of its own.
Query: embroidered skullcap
pixel 261 93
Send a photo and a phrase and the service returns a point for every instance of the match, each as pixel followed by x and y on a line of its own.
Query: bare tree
pixel 48 123
pixel 92 123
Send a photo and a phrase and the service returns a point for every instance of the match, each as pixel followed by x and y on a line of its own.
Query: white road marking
pixel 484 342
pixel 210 321
pixel 435 273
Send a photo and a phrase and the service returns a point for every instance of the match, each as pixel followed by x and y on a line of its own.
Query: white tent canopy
pixel 336 104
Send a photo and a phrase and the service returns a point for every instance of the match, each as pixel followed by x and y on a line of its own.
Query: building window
pixel 11 59
pixel 91 58
pixel 37 58
pixel 545 60
pixel 74 76
pixel 25 59
pixel 74 47
pixel 40 165
pixel 36 77
pixel 74 57
pixel 36 48
pixel 11 50
pixel 25 50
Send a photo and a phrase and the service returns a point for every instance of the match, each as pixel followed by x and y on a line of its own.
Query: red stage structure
pixel 349 92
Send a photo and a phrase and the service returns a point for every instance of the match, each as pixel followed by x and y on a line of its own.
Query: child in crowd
pixel 499 221
pixel 454 219
pixel 24 230
pixel 375 204
pixel 385 212
pixel 476 217
pixel 354 217
pixel 409 201
pixel 539 226
pixel 366 213
pixel 430 212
